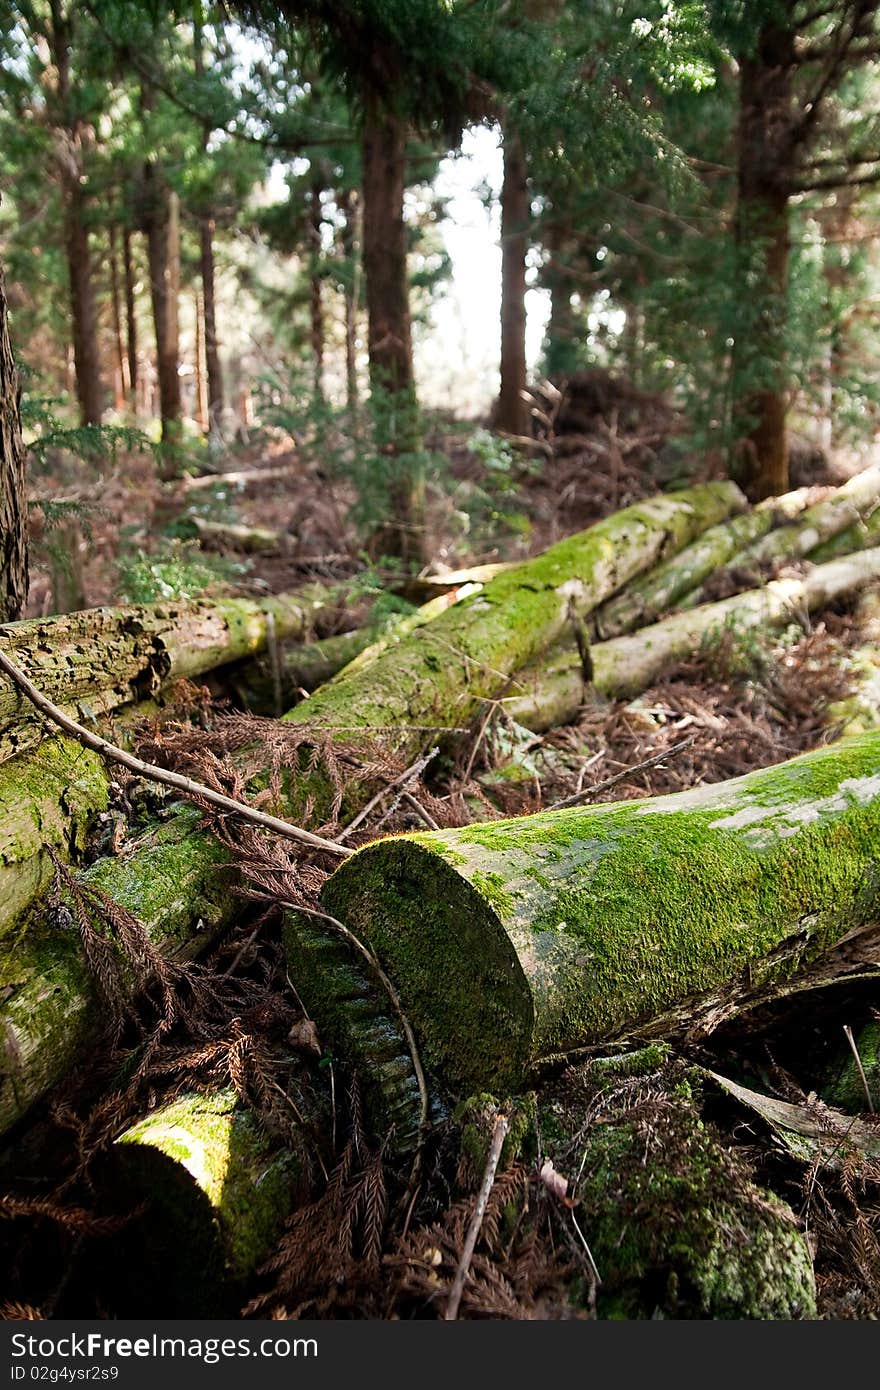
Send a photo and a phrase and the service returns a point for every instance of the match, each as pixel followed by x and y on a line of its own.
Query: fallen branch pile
pixel 461 968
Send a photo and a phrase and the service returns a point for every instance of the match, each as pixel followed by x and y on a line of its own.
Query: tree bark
pixel 348 206
pixel 209 300
pixel 70 138
pixel 571 929
pixel 163 253
pixel 512 414
pixel 13 496
pixel 316 292
pixel 120 381
pixel 392 376
pixel 764 155
pixel 553 692
pixel 130 316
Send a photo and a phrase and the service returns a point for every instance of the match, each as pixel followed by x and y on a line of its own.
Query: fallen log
pixel 215 1190
pixel 516 942
pixel 860 708
pixel 646 599
pixel 801 538
pixel 51 1005
pixel 96 660
pixel 862 535
pixel 250 540
pixel 434 681
pixel 393 700
pixel 554 691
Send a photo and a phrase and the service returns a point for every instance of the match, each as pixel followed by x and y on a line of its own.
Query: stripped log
pixel 99 659
pixel 645 599
pixel 793 542
pixel 859 709
pixel 435 680
pixel 250 540
pixel 862 535
pixel 552 693
pixel 215 1189
pixel 519 941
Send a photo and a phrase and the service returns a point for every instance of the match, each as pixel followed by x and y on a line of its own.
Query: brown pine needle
pixel 160 774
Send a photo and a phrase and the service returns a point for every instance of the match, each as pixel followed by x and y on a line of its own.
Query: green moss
pixel 564 928
pixel 217 1145
pixel 674 1220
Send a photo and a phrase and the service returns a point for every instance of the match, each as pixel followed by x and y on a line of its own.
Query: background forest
pixel 439 659
pixel 221 227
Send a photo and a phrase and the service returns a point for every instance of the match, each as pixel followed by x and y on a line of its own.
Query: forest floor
pixel 737 707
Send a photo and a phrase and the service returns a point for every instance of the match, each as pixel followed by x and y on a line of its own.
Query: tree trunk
pixel 13 495
pixel 392 377
pixel 163 251
pixel 75 225
pixel 120 381
pixel 206 243
pixel 130 316
pixel 201 394
pixel 67 568
pixel 562 349
pixel 512 414
pixel 764 154
pixel 861 535
pixel 316 299
pixel 570 929
pixel 212 350
pixel 553 692
pixel 348 206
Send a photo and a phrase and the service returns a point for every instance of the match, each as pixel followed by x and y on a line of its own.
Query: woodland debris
pixel 553 691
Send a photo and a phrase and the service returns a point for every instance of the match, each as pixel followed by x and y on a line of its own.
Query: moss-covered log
pixel 676 1223
pixel 434 681
pixel 860 708
pixel 864 534
pixel 647 598
pixel 250 540
pixel 552 692
pixel 394 691
pixel 215 1189
pixel 802 537
pixel 51 1006
pixel 94 661
pixel 517 941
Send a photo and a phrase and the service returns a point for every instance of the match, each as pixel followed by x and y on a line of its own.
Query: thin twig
pixel 499 1134
pixel 420 811
pixel 408 775
pixel 848 1033
pixel 589 792
pixel 160 774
